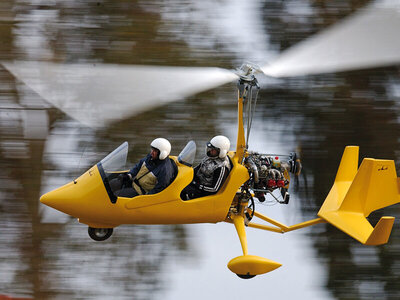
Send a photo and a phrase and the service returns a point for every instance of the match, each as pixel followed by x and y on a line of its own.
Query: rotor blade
pixel 367 39
pixel 98 94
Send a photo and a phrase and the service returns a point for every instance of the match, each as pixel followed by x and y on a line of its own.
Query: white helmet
pixel 222 144
pixel 162 145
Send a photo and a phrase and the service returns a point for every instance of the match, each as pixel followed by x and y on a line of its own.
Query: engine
pixel 269 172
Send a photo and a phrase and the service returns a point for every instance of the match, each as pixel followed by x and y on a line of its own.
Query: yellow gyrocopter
pixel 354 195
pixel 356 191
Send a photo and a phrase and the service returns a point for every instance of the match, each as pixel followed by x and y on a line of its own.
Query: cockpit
pixel 115 164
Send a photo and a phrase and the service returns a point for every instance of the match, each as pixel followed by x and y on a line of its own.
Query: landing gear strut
pixel 100 234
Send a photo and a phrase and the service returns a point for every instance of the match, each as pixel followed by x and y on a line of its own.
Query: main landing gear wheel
pixel 100 234
pixel 245 276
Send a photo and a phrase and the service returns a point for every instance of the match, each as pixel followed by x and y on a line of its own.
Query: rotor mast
pixel 247 81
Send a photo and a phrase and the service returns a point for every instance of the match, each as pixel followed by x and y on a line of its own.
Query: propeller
pixel 99 94
pixel 367 39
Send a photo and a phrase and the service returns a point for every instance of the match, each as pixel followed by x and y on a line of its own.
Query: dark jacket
pixel 211 173
pixel 163 170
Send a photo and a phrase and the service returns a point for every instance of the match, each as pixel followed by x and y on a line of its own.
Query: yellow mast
pixel 241 141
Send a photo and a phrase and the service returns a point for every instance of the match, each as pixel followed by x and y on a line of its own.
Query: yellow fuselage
pixel 87 199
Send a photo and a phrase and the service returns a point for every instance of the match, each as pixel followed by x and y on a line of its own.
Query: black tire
pixel 245 276
pixel 100 234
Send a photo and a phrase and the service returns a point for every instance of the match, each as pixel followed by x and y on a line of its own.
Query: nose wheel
pixel 100 234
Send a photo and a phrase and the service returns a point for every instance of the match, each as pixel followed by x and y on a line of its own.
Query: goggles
pixel 210 146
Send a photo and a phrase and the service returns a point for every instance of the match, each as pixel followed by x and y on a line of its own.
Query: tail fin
pixel 355 194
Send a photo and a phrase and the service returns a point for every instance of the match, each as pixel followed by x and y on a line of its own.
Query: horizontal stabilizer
pixel 355 194
pixel 381 232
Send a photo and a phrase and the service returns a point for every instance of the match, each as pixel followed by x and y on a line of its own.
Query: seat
pixel 175 170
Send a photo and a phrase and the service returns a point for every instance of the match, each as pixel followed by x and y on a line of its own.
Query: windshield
pixel 116 160
pixel 188 154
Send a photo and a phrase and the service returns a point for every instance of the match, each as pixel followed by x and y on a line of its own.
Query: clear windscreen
pixel 116 160
pixel 188 154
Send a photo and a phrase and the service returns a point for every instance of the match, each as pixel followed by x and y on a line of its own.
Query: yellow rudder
pixel 374 187
pixel 355 194
pixel 348 164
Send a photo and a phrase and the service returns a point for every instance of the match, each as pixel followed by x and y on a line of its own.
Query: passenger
pixel 210 174
pixel 150 175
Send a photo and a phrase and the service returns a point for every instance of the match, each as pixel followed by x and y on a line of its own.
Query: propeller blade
pixel 98 94
pixel 367 39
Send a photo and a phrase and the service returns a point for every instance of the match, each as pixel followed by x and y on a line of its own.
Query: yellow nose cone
pixel 44 199
pixel 61 198
pixel 47 199
pixel 85 197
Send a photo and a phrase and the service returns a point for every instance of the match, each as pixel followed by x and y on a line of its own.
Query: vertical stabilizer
pixel 348 165
pixel 355 194
pixel 374 187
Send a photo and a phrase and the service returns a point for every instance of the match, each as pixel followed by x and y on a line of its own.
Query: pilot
pixel 151 174
pixel 211 173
